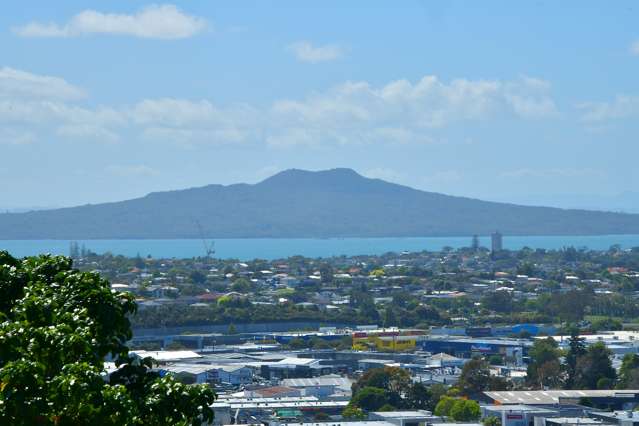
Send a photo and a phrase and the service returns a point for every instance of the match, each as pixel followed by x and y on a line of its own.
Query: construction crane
pixel 209 247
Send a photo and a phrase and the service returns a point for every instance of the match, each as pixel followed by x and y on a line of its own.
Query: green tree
pixel 390 319
pixel 544 370
pixel 352 412
pixel 608 324
pixel 197 277
pixel 56 327
pixel 594 369
pixel 437 391
pixel 576 349
pixel 499 301
pixel 345 343
pixel 629 372
pixel 498 383
pixel 444 406
pixel 298 343
pixel 418 397
pixel 317 343
pixel 475 377
pixel 326 273
pixel 495 360
pixel 242 285
pixel 393 381
pixel 491 421
pixel 464 410
pixel 370 398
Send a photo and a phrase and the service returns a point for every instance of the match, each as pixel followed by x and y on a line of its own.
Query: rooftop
pixel 408 414
pixel 318 381
pixel 554 396
pixel 167 355
pixel 519 407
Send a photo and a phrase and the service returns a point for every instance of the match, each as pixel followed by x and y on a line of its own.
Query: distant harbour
pixel 274 248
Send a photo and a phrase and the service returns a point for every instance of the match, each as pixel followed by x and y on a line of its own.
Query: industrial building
pixel 461 347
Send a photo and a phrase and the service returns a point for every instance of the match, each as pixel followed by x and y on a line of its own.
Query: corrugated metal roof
pixel 553 396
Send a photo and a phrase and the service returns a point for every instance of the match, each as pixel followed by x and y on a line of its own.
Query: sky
pixel 533 102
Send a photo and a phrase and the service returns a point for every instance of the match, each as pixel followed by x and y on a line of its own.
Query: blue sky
pixel 534 102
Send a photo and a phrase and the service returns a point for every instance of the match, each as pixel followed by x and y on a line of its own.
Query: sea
pixel 278 248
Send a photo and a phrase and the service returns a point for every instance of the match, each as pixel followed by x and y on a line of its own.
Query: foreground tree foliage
pixel 57 325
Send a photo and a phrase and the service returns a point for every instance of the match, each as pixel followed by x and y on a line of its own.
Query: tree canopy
pixel 545 369
pixel 57 326
pixel 391 386
pixel 460 410
pixel 594 369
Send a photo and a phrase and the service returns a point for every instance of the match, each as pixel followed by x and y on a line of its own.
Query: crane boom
pixel 209 247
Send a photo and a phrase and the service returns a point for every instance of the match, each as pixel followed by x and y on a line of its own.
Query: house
pixel 162 291
pixel 208 297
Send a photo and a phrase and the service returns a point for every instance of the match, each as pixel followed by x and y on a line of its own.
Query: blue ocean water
pixel 275 248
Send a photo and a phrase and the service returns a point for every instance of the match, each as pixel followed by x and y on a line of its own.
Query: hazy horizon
pixel 626 202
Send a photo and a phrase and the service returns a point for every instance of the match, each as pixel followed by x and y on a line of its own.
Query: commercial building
pixel 496 242
pixel 321 387
pixel 239 410
pixel 294 368
pixel 619 399
pixel 621 418
pixel 233 374
pixel 517 415
pixel 467 347
pixel 393 340
pixel 403 418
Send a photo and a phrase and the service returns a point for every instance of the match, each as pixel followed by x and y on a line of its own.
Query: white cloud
pixel 135 170
pixel 551 173
pixel 622 106
pixel 88 132
pixel 175 112
pixel 400 112
pixel 16 137
pixel 188 122
pixel 47 106
pixel 189 137
pixel 288 137
pixel 155 21
pixel 16 83
pixel 634 48
pixel 304 51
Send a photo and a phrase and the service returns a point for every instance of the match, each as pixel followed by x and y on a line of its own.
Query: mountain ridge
pixel 299 203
